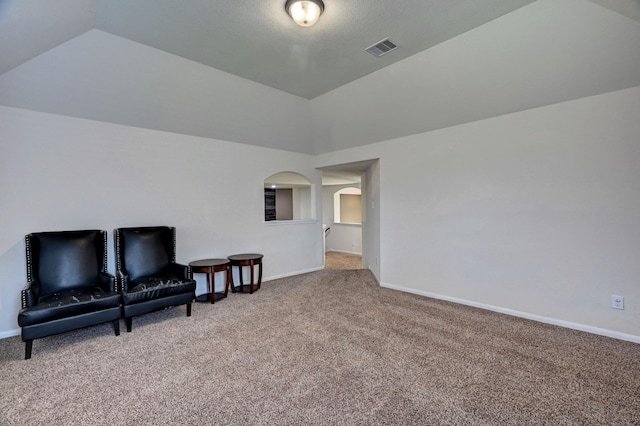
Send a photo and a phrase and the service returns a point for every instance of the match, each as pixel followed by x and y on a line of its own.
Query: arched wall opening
pixel 288 196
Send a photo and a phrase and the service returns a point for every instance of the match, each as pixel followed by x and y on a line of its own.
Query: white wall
pixel 533 213
pixel 345 238
pixel 63 173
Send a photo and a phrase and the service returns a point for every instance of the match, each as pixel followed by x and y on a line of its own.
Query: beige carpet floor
pixel 337 260
pixel 325 348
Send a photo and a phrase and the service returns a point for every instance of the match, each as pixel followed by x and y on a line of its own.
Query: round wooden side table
pixel 251 260
pixel 210 267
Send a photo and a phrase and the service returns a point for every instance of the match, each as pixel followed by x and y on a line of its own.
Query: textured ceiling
pixel 29 28
pixel 252 39
pixel 257 40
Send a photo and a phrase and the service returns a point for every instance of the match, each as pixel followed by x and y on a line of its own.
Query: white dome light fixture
pixel 304 12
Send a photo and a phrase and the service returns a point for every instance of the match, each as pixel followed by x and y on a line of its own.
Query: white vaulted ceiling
pixel 253 39
pixel 257 40
pixel 179 66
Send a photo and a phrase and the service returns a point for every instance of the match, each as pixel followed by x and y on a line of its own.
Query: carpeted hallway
pixel 325 348
pixel 338 260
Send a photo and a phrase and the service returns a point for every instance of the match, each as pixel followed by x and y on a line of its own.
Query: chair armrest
pixel 107 282
pixel 122 280
pixel 27 295
pixel 178 270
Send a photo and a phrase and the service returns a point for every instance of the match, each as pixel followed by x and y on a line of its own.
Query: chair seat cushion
pixel 68 303
pixel 157 287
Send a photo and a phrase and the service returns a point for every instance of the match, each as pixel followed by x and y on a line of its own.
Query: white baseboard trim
pixel 9 333
pixel 345 252
pixel 512 312
pixel 291 274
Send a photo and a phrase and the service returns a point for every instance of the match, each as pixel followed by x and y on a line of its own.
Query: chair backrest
pixel 146 251
pixel 65 260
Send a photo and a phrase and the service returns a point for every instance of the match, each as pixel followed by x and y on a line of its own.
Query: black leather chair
pixel 68 286
pixel 147 273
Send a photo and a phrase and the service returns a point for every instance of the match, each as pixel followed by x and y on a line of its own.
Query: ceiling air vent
pixel 382 47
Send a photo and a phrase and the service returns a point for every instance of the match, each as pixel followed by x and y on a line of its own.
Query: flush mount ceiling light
pixel 304 12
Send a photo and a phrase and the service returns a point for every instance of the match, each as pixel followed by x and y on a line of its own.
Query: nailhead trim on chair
pixel 173 231
pixel 29 269
pixel 117 235
pixel 29 266
pixel 24 298
pixel 119 274
pixel 104 260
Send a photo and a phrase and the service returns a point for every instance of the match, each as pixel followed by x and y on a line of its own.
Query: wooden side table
pixel 210 267
pixel 251 260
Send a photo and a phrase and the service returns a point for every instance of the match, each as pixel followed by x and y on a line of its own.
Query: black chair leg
pixel 189 307
pixel 129 322
pixel 27 349
pixel 116 327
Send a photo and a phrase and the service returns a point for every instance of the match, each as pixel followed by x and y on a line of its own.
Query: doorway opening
pixel 350 226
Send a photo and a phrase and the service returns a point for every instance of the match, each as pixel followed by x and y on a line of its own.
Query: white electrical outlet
pixel 617 302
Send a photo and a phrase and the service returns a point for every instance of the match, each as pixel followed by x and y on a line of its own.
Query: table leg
pixel 252 267
pixel 229 281
pixel 211 284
